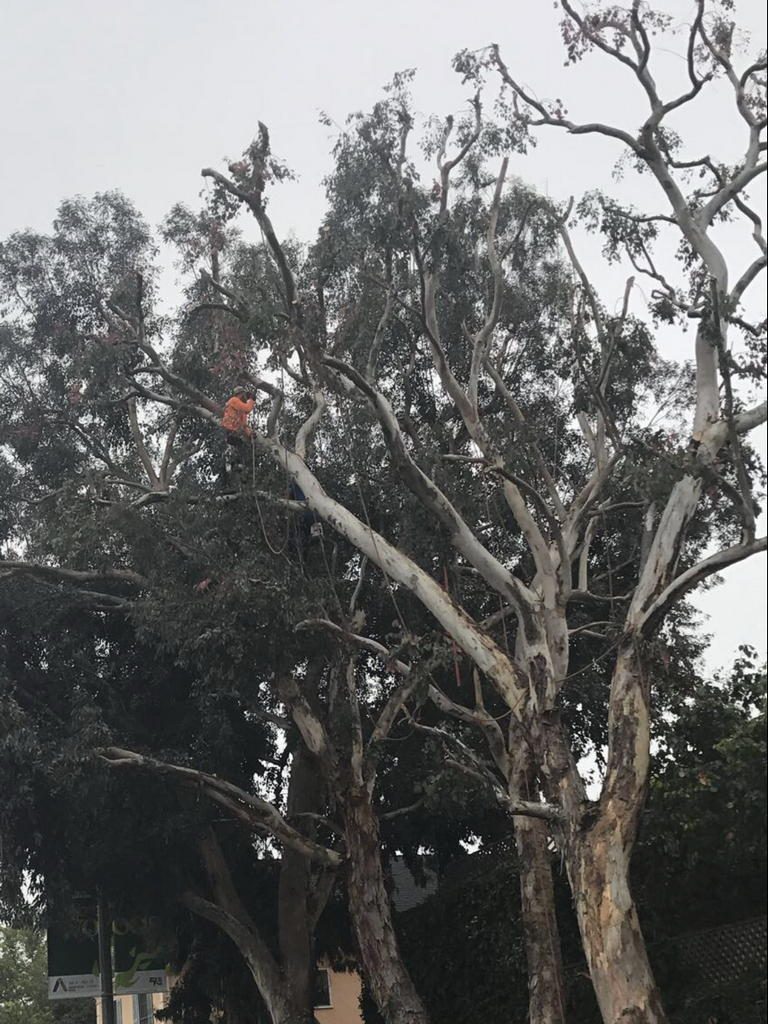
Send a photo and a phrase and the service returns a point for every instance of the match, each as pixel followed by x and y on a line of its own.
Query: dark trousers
pixel 234 459
pixel 304 520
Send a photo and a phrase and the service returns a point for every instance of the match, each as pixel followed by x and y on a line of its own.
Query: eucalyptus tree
pixel 696 194
pixel 452 396
pixel 555 513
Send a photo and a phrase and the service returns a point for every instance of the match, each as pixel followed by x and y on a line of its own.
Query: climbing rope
pixel 330 575
pixel 389 585
pixel 267 541
pixel 454 648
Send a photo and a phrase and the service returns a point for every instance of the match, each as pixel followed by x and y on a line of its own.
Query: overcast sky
pixel 140 95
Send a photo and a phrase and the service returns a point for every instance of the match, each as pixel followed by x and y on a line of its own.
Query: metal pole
pixel 105 963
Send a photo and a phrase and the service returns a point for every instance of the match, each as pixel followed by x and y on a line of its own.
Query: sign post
pixel 81 951
pixel 105 961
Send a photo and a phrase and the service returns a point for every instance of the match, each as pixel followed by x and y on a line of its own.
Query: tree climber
pixel 235 423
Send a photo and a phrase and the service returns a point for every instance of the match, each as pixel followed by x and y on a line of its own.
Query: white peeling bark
pixel 707 387
pixel 488 657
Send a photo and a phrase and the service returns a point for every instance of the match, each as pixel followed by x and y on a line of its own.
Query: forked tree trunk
pixel 269 980
pixel 390 984
pixel 598 859
pixel 231 916
pixel 546 992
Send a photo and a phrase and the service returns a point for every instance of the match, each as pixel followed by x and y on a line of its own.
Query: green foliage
pixel 476 967
pixel 23 978
pixel 24 983
pixel 704 831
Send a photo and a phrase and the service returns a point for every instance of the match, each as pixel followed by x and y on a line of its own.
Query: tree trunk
pixel 546 991
pixel 294 926
pixel 598 858
pixel 231 916
pixel 610 930
pixel 269 979
pixel 369 906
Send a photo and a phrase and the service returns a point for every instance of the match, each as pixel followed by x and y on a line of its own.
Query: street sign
pixel 138 967
pixel 73 959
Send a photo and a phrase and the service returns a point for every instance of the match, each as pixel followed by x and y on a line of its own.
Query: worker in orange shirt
pixel 235 423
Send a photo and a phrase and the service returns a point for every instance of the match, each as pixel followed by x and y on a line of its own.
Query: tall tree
pixel 598 856
pixel 500 497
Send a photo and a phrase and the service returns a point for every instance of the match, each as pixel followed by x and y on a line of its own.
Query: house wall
pixel 127 1005
pixel 345 997
pixel 345 986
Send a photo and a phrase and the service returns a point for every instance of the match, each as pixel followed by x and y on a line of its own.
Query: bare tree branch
pixel 555 119
pixel 60 574
pixel 691 578
pixel 141 448
pixel 431 496
pixel 308 427
pixel 247 806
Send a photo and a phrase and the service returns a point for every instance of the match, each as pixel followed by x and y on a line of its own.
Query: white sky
pixel 140 95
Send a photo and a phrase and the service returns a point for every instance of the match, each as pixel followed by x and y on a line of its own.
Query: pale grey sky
pixel 140 95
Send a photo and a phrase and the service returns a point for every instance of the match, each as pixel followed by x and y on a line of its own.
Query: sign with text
pixel 138 967
pixel 73 958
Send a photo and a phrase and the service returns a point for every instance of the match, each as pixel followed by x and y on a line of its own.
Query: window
pixel 143 1011
pixel 322 995
pixel 118 1011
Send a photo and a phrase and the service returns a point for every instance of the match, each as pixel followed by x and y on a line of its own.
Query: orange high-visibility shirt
pixel 235 416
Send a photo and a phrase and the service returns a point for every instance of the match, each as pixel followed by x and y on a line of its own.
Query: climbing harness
pixel 316 531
